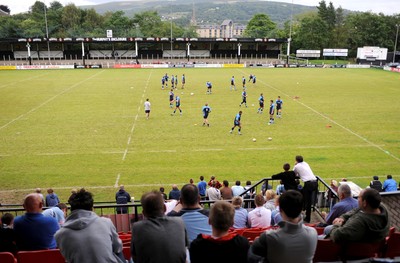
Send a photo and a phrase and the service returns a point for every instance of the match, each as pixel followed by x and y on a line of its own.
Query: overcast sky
pixel 388 7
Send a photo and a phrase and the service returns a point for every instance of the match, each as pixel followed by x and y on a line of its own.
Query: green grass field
pixel 86 128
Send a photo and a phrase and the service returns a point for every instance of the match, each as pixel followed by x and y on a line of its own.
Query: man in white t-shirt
pixel 303 170
pixel 147 107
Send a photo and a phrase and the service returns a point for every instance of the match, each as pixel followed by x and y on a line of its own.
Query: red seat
pixel 357 250
pixel 252 233
pixel 7 257
pixel 326 251
pixel 40 256
pixel 393 246
pixel 127 252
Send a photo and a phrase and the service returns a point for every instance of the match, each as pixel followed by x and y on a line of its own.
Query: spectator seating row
pixel 328 251
pixel 38 256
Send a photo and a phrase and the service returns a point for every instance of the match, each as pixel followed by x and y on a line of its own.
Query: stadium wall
pixel 392 201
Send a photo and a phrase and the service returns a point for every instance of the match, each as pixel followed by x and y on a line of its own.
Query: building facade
pixel 226 30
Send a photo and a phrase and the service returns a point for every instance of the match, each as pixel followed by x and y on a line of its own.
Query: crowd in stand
pixel 178 228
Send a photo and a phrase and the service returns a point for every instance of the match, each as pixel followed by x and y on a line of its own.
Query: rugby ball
pixel 269 138
pixel 254 139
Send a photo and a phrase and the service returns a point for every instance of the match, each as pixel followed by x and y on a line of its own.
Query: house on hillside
pixel 226 30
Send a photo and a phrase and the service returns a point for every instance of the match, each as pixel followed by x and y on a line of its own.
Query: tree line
pixel 329 27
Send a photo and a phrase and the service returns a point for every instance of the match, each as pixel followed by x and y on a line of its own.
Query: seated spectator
pixel 276 216
pixel 202 185
pixel 331 197
pixel 221 245
pixel 7 235
pixel 167 235
pixel 287 177
pixel 164 195
pixel 280 188
pixel 192 214
pixel 59 212
pixel 265 186
pixel 237 189
pixel 347 203
pixel 217 183
pixel 174 193
pixel 212 193
pixel 249 194
pixel 389 185
pixel 51 198
pixel 39 192
pixel 241 214
pixel 191 181
pixel 226 191
pixel 34 231
pixel 367 223
pixel 86 237
pixel 376 184
pixel 270 199
pixel 259 216
pixel 293 241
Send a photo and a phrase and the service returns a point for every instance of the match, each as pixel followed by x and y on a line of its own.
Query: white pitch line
pixel 117 181
pixel 23 80
pixel 49 100
pixel 136 117
pixel 207 150
pixel 163 151
pixel 335 122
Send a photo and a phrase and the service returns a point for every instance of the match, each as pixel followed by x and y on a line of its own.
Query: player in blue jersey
pixel 206 111
pixel 254 79
pixel 176 81
pixel 162 82
pixel 209 87
pixel 250 78
pixel 261 103
pixel 177 105
pixel 279 103
pixel 244 82
pixel 166 80
pixel 236 122
pixel 244 98
pixel 171 98
pixel 233 86
pixel 271 112
pixel 183 81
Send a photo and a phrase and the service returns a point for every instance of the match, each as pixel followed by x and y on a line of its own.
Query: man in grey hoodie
pixel 86 237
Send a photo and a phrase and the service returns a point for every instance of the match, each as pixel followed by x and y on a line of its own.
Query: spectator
pixel 217 183
pixel 241 214
pixel 389 185
pixel 376 184
pixel 367 223
pixel 51 198
pixel 303 170
pixel 259 216
pixel 288 178
pixel 167 235
pixel 237 189
pixel 194 217
pixel 175 193
pixel 330 194
pixel 191 181
pixel 265 186
pixel 122 197
pixel 202 185
pixel 86 237
pixel 59 212
pixel 280 188
pixel 164 195
pixel 347 203
pixel 249 194
pixel 7 235
pixel 276 216
pixel 226 191
pixel 213 193
pixel 39 192
pixel 270 199
pixel 222 245
pixel 34 231
pixel 293 241
pixel 398 188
